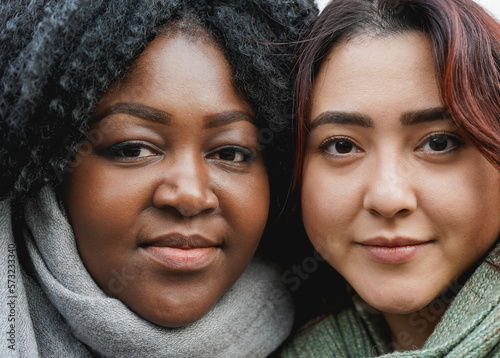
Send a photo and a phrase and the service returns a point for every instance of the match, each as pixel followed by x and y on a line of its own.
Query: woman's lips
pixel 182 259
pixel 393 251
pixel 176 252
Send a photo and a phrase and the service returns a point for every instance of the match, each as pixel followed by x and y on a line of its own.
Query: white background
pixel 493 6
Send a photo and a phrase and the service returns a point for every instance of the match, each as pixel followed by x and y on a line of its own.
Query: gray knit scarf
pixel 470 327
pixel 59 311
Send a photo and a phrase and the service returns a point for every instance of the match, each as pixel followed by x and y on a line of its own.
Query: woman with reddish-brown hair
pixel 398 170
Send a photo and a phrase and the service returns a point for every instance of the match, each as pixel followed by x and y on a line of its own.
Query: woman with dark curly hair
pixel 134 138
pixel 398 164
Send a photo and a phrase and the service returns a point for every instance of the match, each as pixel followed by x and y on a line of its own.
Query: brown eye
pixel 441 143
pixel 438 144
pixel 339 146
pixel 135 152
pixel 343 147
pixel 234 154
pixel 129 151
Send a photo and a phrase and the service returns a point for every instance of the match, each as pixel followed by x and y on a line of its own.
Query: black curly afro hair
pixel 57 58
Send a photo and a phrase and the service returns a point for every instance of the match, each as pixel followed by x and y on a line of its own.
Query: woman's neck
pixel 410 331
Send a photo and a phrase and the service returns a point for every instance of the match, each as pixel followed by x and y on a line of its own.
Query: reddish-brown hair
pixel 466 43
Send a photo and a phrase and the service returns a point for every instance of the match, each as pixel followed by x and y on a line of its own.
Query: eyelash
pixel 458 142
pixel 114 150
pixel 333 140
pixel 248 155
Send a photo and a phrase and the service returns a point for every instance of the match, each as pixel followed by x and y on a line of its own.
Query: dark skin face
pixel 169 196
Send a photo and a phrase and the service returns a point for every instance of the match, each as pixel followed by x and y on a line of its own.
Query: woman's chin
pixel 175 319
pixel 397 302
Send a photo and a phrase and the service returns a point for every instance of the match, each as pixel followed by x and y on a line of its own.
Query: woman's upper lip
pixel 392 242
pixel 181 241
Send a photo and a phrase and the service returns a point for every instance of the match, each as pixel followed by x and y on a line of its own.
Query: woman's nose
pixel 186 188
pixel 390 188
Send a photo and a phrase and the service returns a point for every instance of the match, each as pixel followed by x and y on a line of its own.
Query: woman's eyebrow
pixel 134 109
pixel 224 118
pixel 358 119
pixel 337 117
pixel 425 115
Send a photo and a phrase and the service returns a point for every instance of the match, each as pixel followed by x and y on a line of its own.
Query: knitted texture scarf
pixel 59 311
pixel 470 327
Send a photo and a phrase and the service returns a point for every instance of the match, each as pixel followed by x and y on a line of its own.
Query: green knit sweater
pixel 469 328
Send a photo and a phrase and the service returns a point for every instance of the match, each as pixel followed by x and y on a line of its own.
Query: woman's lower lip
pixel 176 259
pixel 393 254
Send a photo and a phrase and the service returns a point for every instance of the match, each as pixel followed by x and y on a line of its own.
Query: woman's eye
pixel 440 143
pixel 339 146
pixel 235 155
pixel 135 152
pixel 127 150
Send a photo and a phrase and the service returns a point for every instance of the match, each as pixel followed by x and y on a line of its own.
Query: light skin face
pixel 394 196
pixel 169 198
